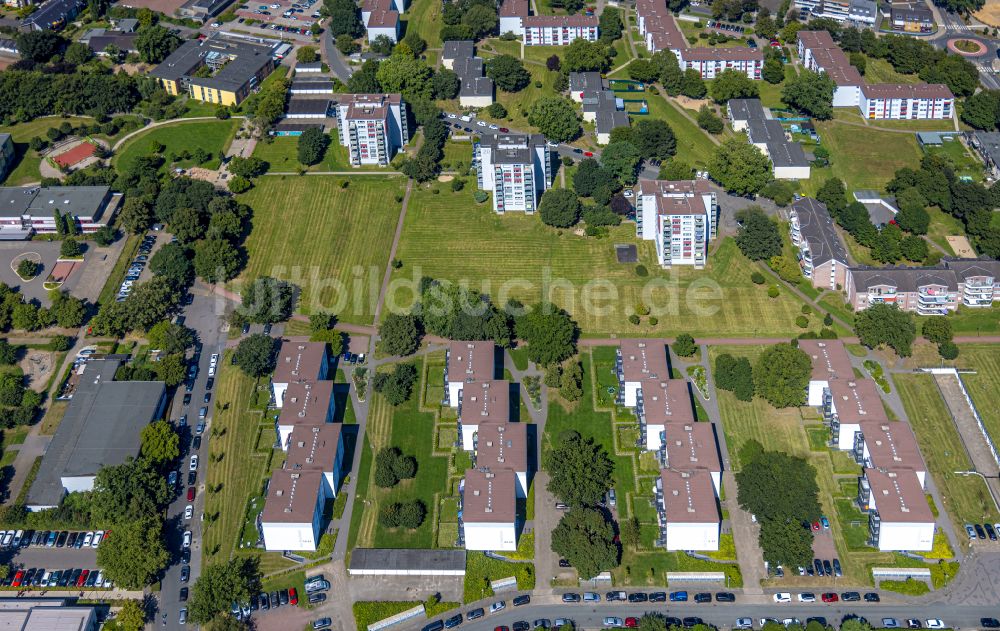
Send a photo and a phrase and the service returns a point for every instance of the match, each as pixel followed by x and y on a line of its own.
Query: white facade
pixel 78 484
pixel 791 172
pixel 899 536
pixel 876 105
pixel 516 168
pixel 484 536
pixel 546 30
pixel 389 30
pixel 693 536
pixel 711 68
pixel 678 218
pixel 475 101
pixel 372 127
pixel 511 24
pixel 301 536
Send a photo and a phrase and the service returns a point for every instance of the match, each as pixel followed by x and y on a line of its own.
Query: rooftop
pixel 899 497
pixel 688 205
pixel 239 61
pixel 747 109
pixel 297 105
pixel 673 188
pixel 762 130
pixel 786 154
pixel 666 402
pixel 489 496
pixel 292 496
pixel 644 359
pixel 692 446
pixel 471 361
pixel 306 403
pixel 816 226
pixel 607 120
pixel 83 201
pixel 502 446
pixel 555 21
pixel 313 447
pixel 298 361
pixel 892 445
pixel 907 91
pixel 45 614
pixel 458 49
pixel 514 8
pixel 731 53
pixel 967 269
pixel 903 279
pixel 485 401
pixel 829 359
pixel 585 81
pixel 689 497
pixel 857 400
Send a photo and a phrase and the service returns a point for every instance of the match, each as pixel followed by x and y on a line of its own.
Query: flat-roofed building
pixel 465 362
pixel 298 362
pixel 373 127
pixel 583 82
pixel 688 510
pixel 692 447
pixel 517 168
pixel 662 403
pixel 482 402
pixel 830 362
pixel 512 12
pixel 639 360
pixel 380 17
pixel 558 30
pixel 679 217
pixel 306 403
pixel 822 255
pixel 300 107
pixel 27 210
pixel 457 49
pixel 293 510
pixel 318 448
pixel 848 403
pixel 504 446
pixel 711 62
pixel 475 89
pixel 899 517
pixel 742 111
pixel 236 68
pixel 889 446
pixel 489 509
pixel 987 145
pixel 46 614
pixel 921 290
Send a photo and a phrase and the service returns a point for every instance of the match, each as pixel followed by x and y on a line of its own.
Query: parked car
pixel 872 597
pixel 571 598
pixel 850 597
pixel 678 597
pixel 830 597
pixel 725 597
pixel 318 597
pixel 782 597
pixel 293 596
pixel 453 621
pixel 523 599
pixel 703 597
pixel 807 597
pixel 475 614
pixel 613 622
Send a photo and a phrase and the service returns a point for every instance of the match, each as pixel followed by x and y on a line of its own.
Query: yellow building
pixel 215 70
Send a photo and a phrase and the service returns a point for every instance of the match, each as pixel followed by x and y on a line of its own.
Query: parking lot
pixel 295 16
pixel 138 270
pixel 52 559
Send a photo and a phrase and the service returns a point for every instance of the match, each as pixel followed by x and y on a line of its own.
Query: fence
pixel 900 573
pixel 504 584
pixel 972 406
pixel 402 616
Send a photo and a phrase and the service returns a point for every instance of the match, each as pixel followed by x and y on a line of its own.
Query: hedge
pixel 480 570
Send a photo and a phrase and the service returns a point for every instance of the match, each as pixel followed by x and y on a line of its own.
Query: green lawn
pixel 26 170
pixel 770 94
pixel 943 225
pixel 881 71
pixel 516 256
pixel 518 104
pixel 694 146
pixel 213 136
pixel 282 156
pixel 965 163
pixel 982 385
pixel 966 498
pixel 499 46
pixel 456 153
pixel 424 16
pixel 333 242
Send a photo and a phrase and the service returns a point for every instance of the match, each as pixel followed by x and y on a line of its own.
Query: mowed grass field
pixel 212 136
pixel 27 161
pixel 332 242
pixel 450 237
pixel 282 154
pixel 966 498
pixel 984 385
pixel 694 145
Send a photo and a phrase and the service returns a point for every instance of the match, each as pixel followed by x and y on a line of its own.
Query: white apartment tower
pixel 372 127
pixel 679 217
pixel 516 167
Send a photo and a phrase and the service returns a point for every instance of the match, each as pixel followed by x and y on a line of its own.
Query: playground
pixel 622 87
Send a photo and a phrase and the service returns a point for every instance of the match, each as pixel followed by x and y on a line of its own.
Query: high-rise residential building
pixel 516 167
pixel 373 127
pixel 680 217
pixel 821 253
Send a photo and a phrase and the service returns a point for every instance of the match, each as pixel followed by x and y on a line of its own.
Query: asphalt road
pixel 200 316
pixel 952 26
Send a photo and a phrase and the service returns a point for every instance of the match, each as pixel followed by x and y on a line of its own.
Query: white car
pixel 612 621
pixel 782 597
pixel 744 623
pixel 188 511
pixel 481 123
pixel 88 539
pixel 99 582
pixel 194 463
pixel 216 24
pixel 628 192
pixel 214 359
pixel 494 127
pixel 187 539
pixel 807 597
pixel 211 370
pixel 453 116
pixel 465 119
pixel 97 538
pixel 934 623
pixel 552 144
pixel 498 606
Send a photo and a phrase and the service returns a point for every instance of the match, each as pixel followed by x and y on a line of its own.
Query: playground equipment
pixel 626 85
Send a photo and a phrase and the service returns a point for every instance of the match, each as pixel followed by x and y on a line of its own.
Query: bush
pixel 909 587
pixel 480 196
pixel 757 278
pixel 684 345
pixel 396 386
pixel 391 466
pixel 633 319
pixel 457 185
pixel 772 291
pixel 802 322
pixel 70 248
pixel 641 271
pixel 402 514
pixel 27 269
pixel 948 350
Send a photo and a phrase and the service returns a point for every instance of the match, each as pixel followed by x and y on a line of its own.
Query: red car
pixel 631 623
pixel 17 579
pixel 191 493
pixel 589 154
pixel 816 525
pixel 501 628
pixel 830 597
pixel 83 578
pixel 293 596
pixel 504 130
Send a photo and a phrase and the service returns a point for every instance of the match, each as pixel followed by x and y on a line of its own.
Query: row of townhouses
pixel 301 390
pixel 820 53
pixel 687 491
pixel 935 290
pixel 891 486
pixel 488 517
pixel 659 30
pixel 545 30
pixel 476 89
pixel 788 161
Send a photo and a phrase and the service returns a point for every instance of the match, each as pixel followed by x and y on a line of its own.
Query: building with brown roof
pixel 306 403
pixel 899 517
pixel 822 254
pixel 679 217
pixel 504 446
pixel 637 361
pixel 692 447
pixel 688 510
pixel 662 403
pixel 297 362
pixel 465 362
pixel 293 510
pixel 489 509
pixel 889 446
pixel 830 361
pixel 373 127
pixel 922 290
pixel 318 448
pixel 482 402
pixel 848 403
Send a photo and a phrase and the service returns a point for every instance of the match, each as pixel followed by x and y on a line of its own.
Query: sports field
pixel 448 236
pixel 212 136
pixel 331 241
pixel 27 161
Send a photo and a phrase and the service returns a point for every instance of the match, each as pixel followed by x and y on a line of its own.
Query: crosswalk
pixel 965 27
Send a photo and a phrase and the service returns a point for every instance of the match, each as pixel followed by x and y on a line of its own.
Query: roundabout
pixel 967 47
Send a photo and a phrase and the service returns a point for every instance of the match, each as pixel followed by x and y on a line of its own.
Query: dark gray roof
pixel 866 8
pixel 816 226
pixel 988 142
pixel 8 45
pixel 85 201
pixel 124 41
pixel 512 155
pixel 765 131
pixel 247 59
pixel 967 268
pixel 477 86
pixel 585 81
pixel 467 67
pixel 101 427
pixel 409 559
pixel 53 11
pixel 4 139
pixel 915 12
pixel 747 109
pixel 286 125
pixel 513 140
pixel 599 101
pixel 606 121
pixel 458 49
pixel 315 83
pixel 203 7
pixel 787 154
pixel 904 279
pixel 309 66
pixel 308 106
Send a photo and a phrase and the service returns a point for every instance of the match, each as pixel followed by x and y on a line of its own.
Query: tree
pixel 913 248
pixel 159 442
pixel 758 237
pixel 779 192
pixel 365 79
pixel 692 85
pixel 105 236
pixel 708 120
pixel 70 248
pixel 631 535
pixel 391 466
pixel 948 350
pixel 936 329
pixel 774 70
pixel 559 208
pixel 173 262
pixel 654 139
pixel 135 555
pixel 127 492
pixel 312 145
pixel 886 324
pixel 170 337
pixel 735 375
pixel 959 74
pixel 643 70
pixel 555 117
pixel 399 334
pixel 585 539
pixel 591 176
pixel 266 300
pixel 482 19
pixel 306 55
pixel 221 584
pixel 136 215
pixel 415 42
pixel 77 54
pixel 781 375
pixel 786 542
pixel 585 56
pixel 810 92
pixel 740 167
pixel 495 110
pixel 621 159
pixel 248 168
pixel 255 354
pixel 675 170
pixel 239 184
pixel 39 46
pixel 508 73
pixel 859 61
pixel 610 25
pixel 8 353
pixel 346 44
pixel 131 616
pixel 982 109
pixel 912 215
pixel 188 224
pixel 733 84
pixel 550 333
pixel 580 471
pixel 396 386
pixel 154 43
pixel 27 269
pixel 171 370
pixel 684 345
pixel 216 260
pixel 405 74
pixel 344 18
pixel 445 84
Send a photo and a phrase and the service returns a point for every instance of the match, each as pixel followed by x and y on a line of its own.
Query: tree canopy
pixel 810 92
pixel 160 444
pixel 781 375
pixel 508 73
pixel 399 334
pixel 221 584
pixel 586 539
pixel 266 300
pixel 759 238
pixel 549 331
pixel 740 167
pixel 559 208
pixel 733 84
pixel 885 324
pixel 555 117
pixel 580 471
pixel 256 354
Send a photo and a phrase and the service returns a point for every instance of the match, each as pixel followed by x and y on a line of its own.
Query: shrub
pixel 480 196
pixel 391 466
pixel 684 345
pixel 633 319
pixel 806 310
pixel 948 350
pixel 641 271
pixel 653 321
pixel 802 322
pixel 772 291
pixel 642 309
pixel 757 278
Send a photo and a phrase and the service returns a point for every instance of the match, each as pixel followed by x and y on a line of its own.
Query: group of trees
pixel 256 354
pixel 740 167
pixel 469 19
pixel 781 491
pixel 391 466
pixel 28 315
pixel 396 386
pixel 663 67
pixel 758 238
pixel 780 375
pixel 402 514
pixel 734 374
pixel 222 584
pixel 886 325
pixel 937 330
pixel 810 92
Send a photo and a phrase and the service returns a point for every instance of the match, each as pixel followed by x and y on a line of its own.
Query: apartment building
pixel 889 445
pixel 922 290
pixel 504 446
pixel 692 447
pixel 381 17
pixel 899 517
pixel 860 13
pixel 511 13
pixel 679 217
pixel 977 280
pixel 662 404
pixel 987 145
pixel 29 210
pixel 822 255
pixel 820 53
pixel 235 69
pixel 293 510
pixel 298 362
pixel 788 161
pixel 373 127
pixel 52 15
pixel 558 30
pixel 467 362
pixel 711 62
pixel 516 168
pixel 911 17
pixel 482 402
pixel 688 510
pixel 489 509
pixel 637 362
pixel 305 403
